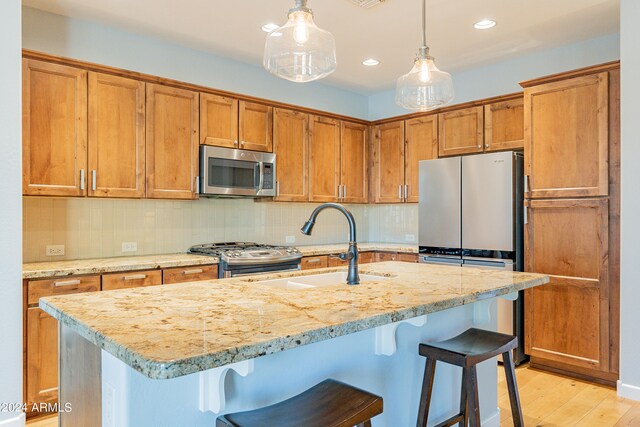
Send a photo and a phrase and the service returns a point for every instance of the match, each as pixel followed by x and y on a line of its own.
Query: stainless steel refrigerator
pixel 470 215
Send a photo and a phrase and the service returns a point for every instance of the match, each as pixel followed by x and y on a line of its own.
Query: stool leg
pixel 463 400
pixel 473 407
pixel 425 395
pixel 512 386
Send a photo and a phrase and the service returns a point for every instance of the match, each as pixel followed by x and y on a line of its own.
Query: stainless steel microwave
pixel 231 172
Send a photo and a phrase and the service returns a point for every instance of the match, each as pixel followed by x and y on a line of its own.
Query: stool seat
pixel 470 347
pixel 327 404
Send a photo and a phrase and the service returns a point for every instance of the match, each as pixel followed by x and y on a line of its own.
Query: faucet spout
pixel 351 255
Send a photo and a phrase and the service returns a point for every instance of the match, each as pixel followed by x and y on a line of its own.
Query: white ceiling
pixel 389 32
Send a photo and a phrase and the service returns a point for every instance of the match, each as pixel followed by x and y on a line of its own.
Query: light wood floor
pixel 547 401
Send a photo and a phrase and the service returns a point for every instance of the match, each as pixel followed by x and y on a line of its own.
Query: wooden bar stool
pixel 328 404
pixel 467 350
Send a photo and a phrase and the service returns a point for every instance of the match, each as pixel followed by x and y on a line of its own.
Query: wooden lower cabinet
pixel 310 262
pixel 567 321
pixel 386 256
pixel 42 358
pixel 189 274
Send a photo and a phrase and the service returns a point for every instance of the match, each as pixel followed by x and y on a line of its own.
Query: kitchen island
pixel 183 354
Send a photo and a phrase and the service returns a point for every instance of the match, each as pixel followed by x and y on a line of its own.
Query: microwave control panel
pixel 268 178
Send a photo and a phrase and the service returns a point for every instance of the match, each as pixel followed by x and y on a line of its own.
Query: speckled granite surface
pixel 39 270
pixel 170 331
pixel 313 250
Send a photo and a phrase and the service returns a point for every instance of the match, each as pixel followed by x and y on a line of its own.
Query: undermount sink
pixel 317 280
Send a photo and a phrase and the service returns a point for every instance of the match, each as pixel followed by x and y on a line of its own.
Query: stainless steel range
pixel 243 258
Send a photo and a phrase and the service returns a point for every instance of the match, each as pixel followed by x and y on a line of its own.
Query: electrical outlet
pixel 55 250
pixel 410 237
pixel 129 246
pixel 290 239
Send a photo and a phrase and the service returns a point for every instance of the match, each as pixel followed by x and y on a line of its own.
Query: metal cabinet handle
pixel 400 192
pixel 313 261
pixel 194 271
pixel 135 277
pixel 344 191
pixel 277 188
pixel 197 184
pixel 486 145
pixel 339 191
pixel 235 142
pixel 66 283
pixel 526 215
pixel 479 145
pixel 406 192
pixel 82 179
pixel 526 183
pixel 94 176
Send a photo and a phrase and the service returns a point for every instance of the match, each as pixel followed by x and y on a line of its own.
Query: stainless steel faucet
pixel 351 254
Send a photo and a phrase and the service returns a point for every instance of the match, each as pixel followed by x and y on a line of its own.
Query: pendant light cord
pixel 424 23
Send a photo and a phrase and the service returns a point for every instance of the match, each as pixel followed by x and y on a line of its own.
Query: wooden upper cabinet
pixel 218 120
pixel 172 143
pixel 353 163
pixel 256 126
pixel 567 320
pixel 116 136
pixel 388 163
pixel 291 146
pixel 324 159
pixel 461 131
pixel 54 126
pixel 421 143
pixel 504 125
pixel 566 137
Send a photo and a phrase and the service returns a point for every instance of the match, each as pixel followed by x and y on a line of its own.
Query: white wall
pixel 503 77
pixel 10 214
pixel 109 45
pixel 629 384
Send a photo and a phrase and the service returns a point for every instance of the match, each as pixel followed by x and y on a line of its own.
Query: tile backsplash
pixel 91 228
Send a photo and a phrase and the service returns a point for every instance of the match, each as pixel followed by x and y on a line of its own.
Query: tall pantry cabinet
pixel 572 166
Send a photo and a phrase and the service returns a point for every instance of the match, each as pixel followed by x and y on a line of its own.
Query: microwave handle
pixel 261 175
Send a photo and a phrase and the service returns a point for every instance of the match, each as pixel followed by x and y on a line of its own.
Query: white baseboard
pixel 18 421
pixel 493 420
pixel 628 391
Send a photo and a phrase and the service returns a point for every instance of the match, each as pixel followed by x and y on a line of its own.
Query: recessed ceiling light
pixel 485 24
pixel 370 62
pixel 267 28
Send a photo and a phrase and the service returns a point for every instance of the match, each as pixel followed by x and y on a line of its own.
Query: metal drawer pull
pixel 526 183
pixel 400 192
pixel 94 174
pixel 194 271
pixel 406 192
pixel 66 283
pixel 82 179
pixel 313 261
pixel 135 277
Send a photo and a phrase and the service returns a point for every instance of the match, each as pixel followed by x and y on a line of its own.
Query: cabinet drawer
pixel 310 262
pixel 131 279
pixel 193 273
pixel 407 257
pixel 37 289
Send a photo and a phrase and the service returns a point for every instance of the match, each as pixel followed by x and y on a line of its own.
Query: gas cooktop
pixel 247 253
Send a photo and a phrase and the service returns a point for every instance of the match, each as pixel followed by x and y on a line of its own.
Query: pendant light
pixel 300 51
pixel 425 87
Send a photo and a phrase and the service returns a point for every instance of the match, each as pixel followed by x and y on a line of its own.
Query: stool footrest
pixel 451 421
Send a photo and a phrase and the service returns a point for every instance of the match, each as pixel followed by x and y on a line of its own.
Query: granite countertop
pixel 313 250
pixel 39 270
pixel 170 331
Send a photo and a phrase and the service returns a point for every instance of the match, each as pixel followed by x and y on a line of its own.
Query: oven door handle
pixel 229 273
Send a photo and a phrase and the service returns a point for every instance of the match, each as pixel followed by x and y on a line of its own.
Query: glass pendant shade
pixel 300 51
pixel 425 87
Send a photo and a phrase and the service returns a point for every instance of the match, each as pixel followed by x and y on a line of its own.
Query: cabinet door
pixel 291 146
pixel 116 136
pixel 567 320
pixel 218 120
pixel 353 163
pixel 324 159
pixel 256 127
pixel 461 131
pixel 567 137
pixel 172 143
pixel 421 143
pixel 504 125
pixel 42 357
pixel 54 129
pixel 388 163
